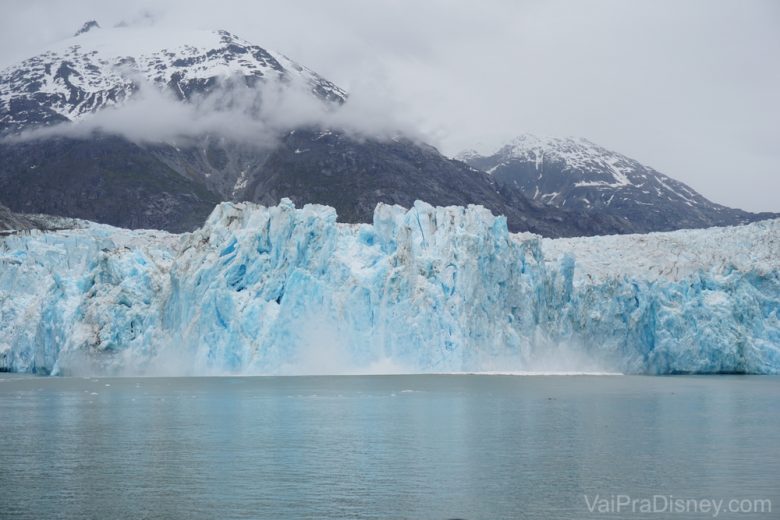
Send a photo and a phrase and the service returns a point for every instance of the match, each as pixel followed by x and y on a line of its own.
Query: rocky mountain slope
pixel 58 156
pixel 174 185
pixel 576 174
pixel 12 223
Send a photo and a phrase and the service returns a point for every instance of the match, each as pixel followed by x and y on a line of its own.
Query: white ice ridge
pixel 281 290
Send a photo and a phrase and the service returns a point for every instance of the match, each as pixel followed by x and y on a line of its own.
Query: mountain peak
pixel 525 142
pixel 226 35
pixel 88 26
pixel 574 173
pixel 467 155
pixel 79 76
pixel 577 154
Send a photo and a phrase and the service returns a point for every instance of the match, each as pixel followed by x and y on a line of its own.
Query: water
pixel 427 447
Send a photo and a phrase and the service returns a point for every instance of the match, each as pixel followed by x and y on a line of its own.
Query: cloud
pixel 144 18
pixel 256 115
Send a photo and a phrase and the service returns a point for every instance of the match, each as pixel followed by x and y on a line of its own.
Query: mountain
pixel 173 184
pixel 267 290
pixel 112 179
pixel 353 176
pixel 576 174
pixel 57 155
pixel 100 68
pixel 11 222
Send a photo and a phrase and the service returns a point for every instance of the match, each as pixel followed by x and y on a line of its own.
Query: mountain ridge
pixel 173 184
pixel 96 69
pixel 576 173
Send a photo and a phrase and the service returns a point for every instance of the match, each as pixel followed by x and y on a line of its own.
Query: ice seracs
pixel 270 290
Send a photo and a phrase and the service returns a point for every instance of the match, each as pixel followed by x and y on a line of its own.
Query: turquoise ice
pixel 282 290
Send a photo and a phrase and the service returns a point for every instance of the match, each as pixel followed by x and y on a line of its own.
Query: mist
pixel 251 115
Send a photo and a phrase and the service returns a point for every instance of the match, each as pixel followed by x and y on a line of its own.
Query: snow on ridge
pixel 574 164
pixel 577 153
pixel 103 65
pixel 120 42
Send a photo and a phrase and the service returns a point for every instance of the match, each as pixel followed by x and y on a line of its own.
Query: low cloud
pixel 255 115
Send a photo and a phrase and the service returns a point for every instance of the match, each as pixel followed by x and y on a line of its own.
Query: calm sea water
pixel 385 447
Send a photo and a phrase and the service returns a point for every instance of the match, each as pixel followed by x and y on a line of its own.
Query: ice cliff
pixel 282 290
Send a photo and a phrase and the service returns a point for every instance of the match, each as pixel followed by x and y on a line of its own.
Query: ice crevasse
pixel 282 290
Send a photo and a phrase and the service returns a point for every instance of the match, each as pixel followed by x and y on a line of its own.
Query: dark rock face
pixel 353 176
pixel 111 180
pixel 107 179
pixel 88 26
pixel 12 223
pixel 581 176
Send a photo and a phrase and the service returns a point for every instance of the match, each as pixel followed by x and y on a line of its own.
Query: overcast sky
pixel 689 87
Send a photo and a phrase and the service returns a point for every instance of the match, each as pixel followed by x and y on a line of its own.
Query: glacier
pixel 281 290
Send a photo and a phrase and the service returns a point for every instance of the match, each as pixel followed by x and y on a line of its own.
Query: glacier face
pixel 282 290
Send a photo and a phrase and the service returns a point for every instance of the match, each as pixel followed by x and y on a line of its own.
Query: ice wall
pixel 283 290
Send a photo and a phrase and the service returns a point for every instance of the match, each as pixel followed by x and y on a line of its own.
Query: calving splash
pixel 282 290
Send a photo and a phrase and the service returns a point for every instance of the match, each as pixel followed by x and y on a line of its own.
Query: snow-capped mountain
pixel 577 174
pixel 112 179
pixel 99 68
pixel 257 290
pixel 163 183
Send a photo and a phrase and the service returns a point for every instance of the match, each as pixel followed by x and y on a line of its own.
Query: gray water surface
pixel 418 447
